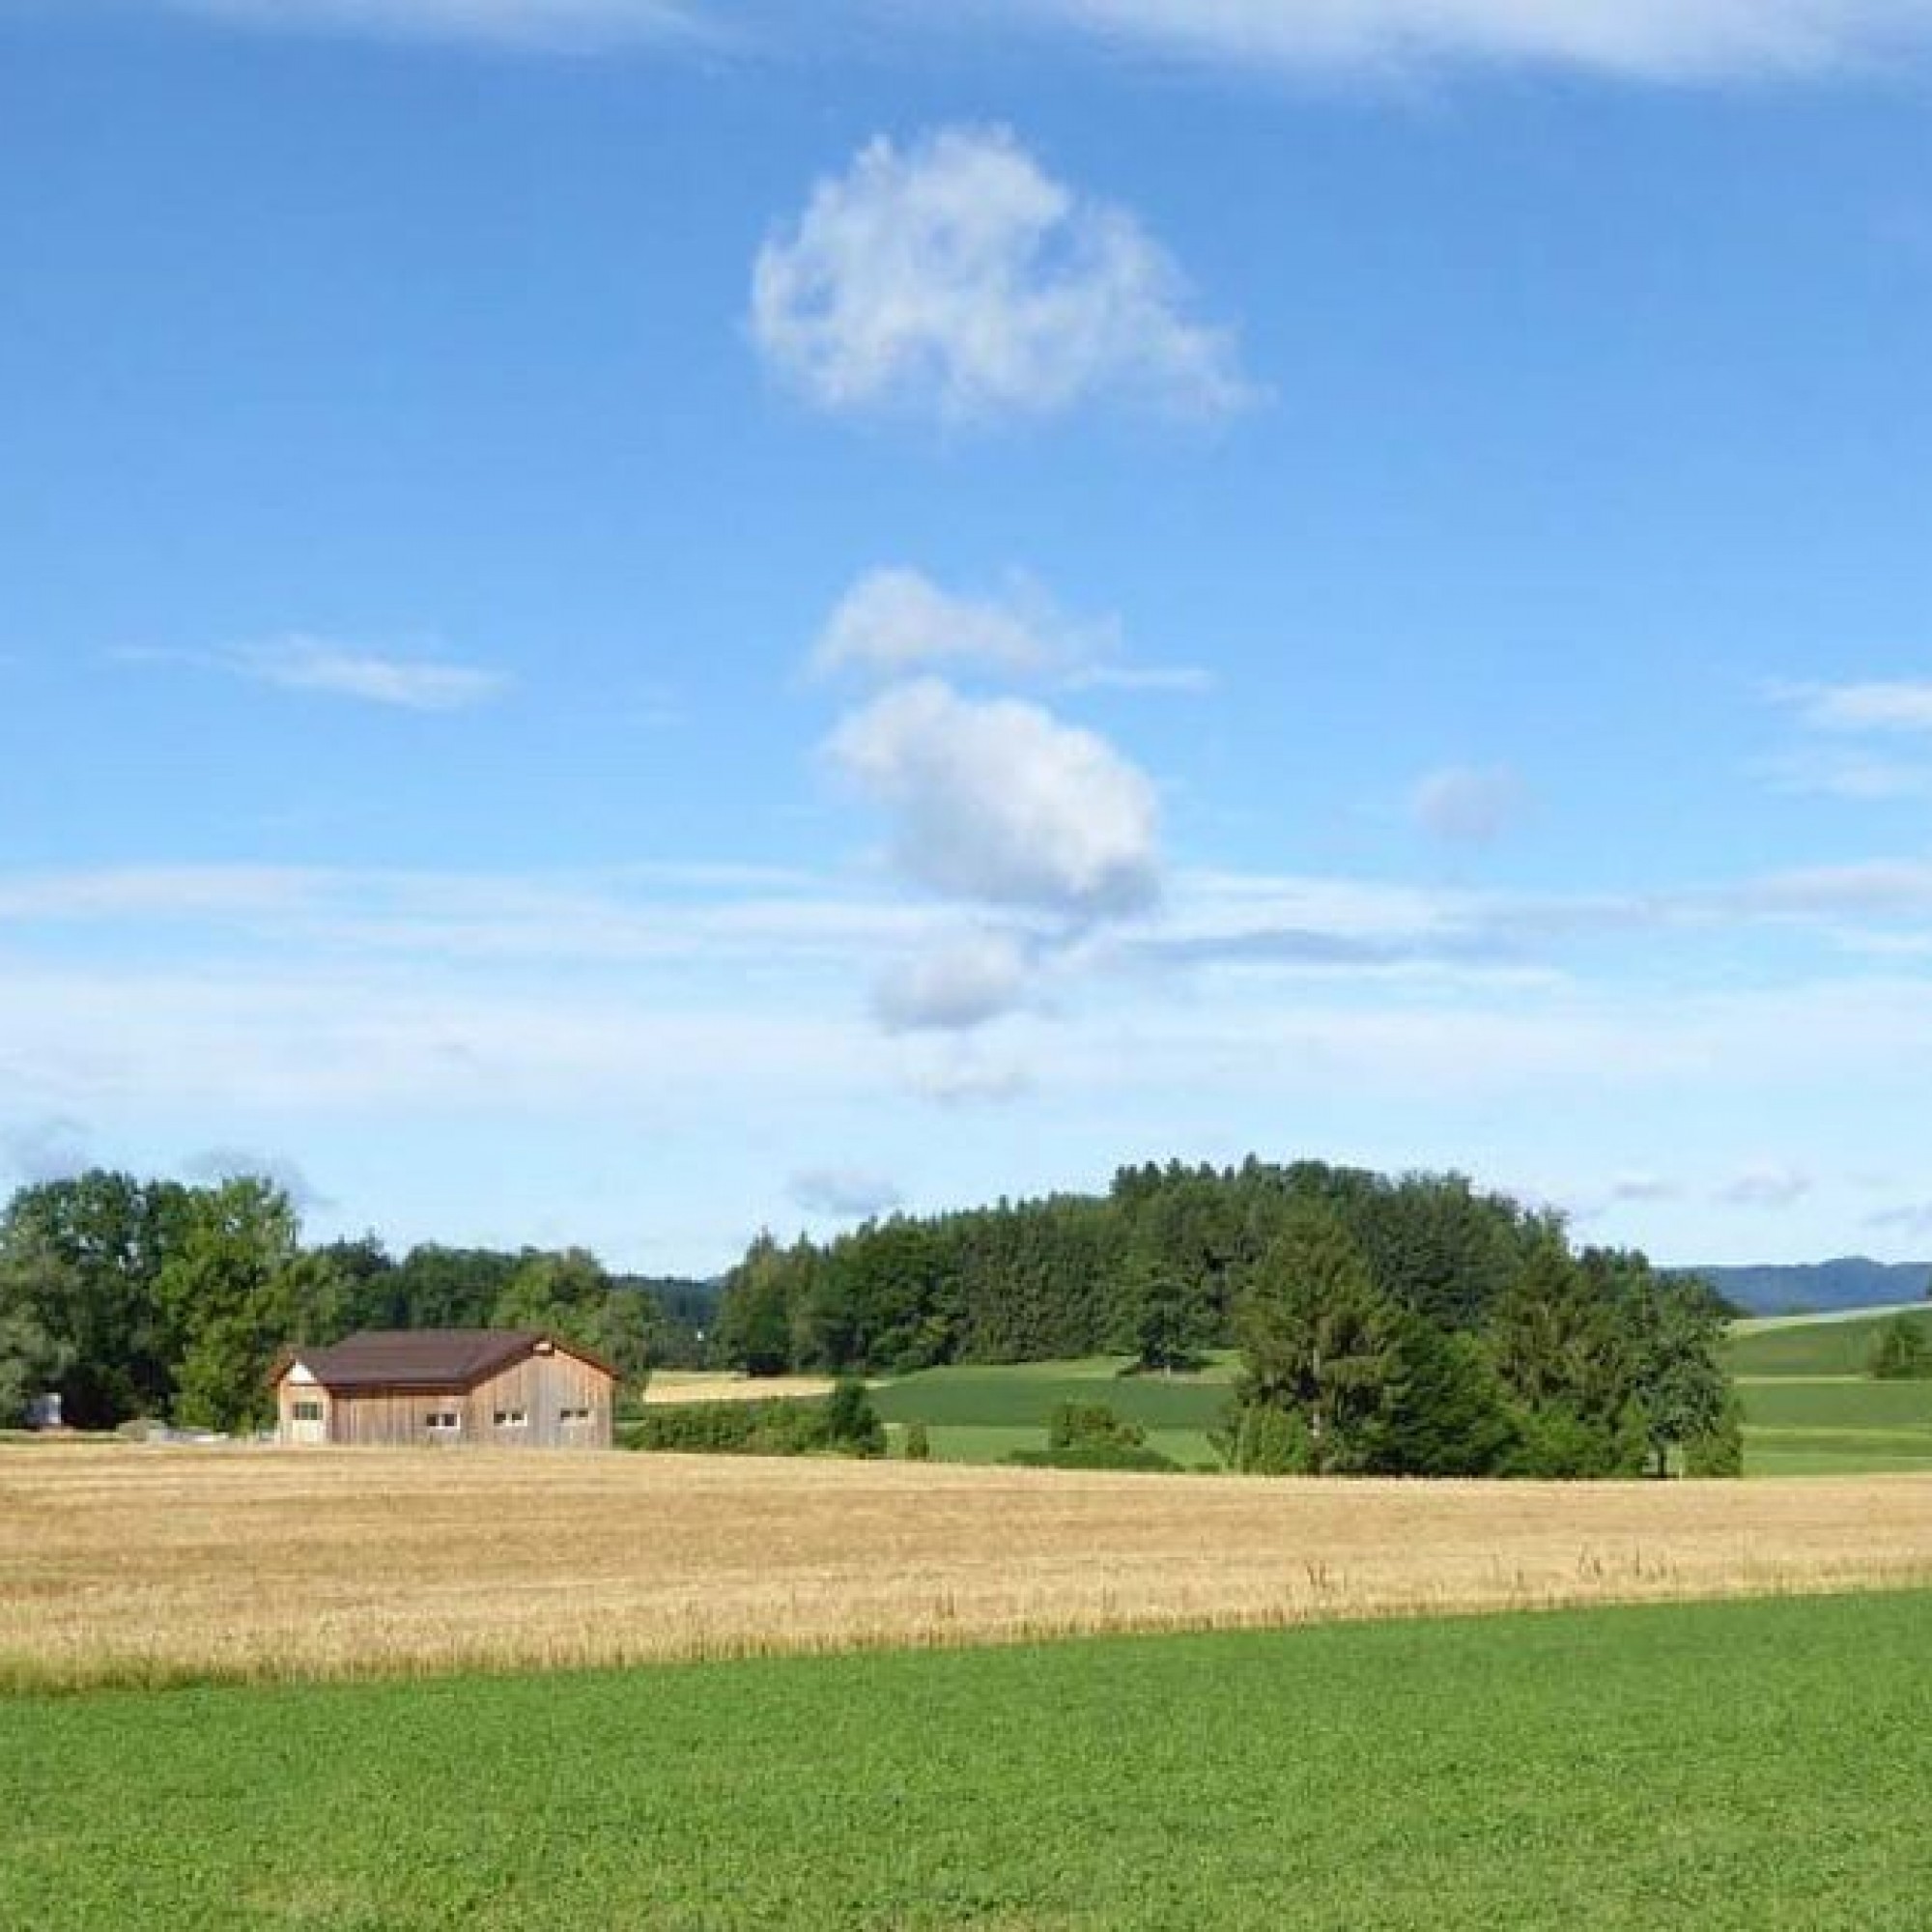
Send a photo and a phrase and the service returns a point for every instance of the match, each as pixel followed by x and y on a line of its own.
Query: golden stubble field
pixel 154 1565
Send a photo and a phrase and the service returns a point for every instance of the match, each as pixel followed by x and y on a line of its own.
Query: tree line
pixel 131 1298
pixel 1408 1325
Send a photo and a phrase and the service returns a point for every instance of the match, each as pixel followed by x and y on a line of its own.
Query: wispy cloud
pixel 958 983
pixel 956 278
pixel 54 1148
pixel 340 670
pixel 230 1163
pixel 1767 1186
pixel 336 670
pixel 1659 41
pixel 1876 706
pixel 895 622
pixel 844 1193
pixel 1468 804
pixel 561 26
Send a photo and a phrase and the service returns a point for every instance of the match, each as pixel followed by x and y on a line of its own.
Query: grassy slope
pixel 1712 1767
pixel 1810 1409
pixel 980 1414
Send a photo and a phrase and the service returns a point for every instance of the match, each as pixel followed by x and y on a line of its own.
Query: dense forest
pixel 1412 1325
pixel 135 1297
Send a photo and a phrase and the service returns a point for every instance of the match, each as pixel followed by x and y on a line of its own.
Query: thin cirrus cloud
pixel 1767 1186
pixel 559 26
pixel 999 802
pixel 1864 740
pixel 1657 42
pixel 1674 41
pixel 1877 705
pixel 340 670
pixel 334 670
pixel 956 278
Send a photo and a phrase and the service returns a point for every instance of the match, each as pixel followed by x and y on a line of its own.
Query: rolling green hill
pixel 1809 1407
pixel 977 1414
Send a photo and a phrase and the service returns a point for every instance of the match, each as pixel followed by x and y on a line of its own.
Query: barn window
pixel 305 1412
pixel 573 1415
pixel 513 1418
pixel 443 1420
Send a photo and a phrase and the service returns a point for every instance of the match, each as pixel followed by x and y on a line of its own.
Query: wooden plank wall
pixel 540 1386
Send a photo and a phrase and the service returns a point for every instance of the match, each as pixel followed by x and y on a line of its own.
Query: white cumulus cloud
pixel 1000 802
pixel 955 276
pixel 893 622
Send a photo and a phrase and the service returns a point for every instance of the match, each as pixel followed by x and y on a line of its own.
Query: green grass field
pixel 981 1415
pixel 1757 1766
pixel 1809 1407
pixel 1812 1345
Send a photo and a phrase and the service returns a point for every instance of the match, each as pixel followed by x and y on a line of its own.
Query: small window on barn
pixel 443 1420
pixel 306 1411
pixel 573 1415
pixel 513 1418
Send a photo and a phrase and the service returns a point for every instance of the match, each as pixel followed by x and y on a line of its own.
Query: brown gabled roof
pixel 423 1360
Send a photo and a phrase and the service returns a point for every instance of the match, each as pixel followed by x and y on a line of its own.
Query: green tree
pixel 918 1443
pixel 1556 1341
pixel 852 1423
pixel 1318 1342
pixel 1452 1415
pixel 31 1359
pixel 1677 1330
pixel 1167 1320
pixel 1720 1450
pixel 1900 1351
pixel 85 1256
pixel 755 1324
pixel 236 1290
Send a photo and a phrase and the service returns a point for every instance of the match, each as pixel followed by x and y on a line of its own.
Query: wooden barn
pixel 393 1389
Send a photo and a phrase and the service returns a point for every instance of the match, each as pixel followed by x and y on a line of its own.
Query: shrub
pixel 776 1428
pixel 918 1445
pixel 851 1423
pixel 1720 1450
pixel 1082 1425
pixel 1901 1352
pixel 1263 1440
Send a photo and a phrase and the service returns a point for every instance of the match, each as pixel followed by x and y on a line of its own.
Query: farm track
pixel 124 1565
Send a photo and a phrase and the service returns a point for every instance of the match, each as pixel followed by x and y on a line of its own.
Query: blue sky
pixel 621 622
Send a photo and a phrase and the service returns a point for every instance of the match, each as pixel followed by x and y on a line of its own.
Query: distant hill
pixel 1853 1281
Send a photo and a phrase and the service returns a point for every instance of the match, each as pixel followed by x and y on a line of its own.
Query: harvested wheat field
pixel 680 1386
pixel 133 1565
